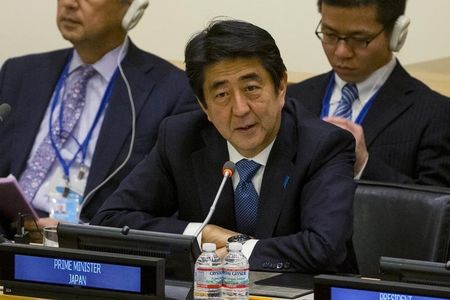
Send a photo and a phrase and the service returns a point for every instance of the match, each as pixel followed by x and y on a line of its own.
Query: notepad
pixel 286 286
pixel 12 200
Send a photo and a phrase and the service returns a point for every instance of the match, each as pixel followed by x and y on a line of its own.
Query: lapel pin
pixel 286 181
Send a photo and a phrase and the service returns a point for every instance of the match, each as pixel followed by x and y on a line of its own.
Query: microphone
pixel 227 171
pixel 22 236
pixel 5 109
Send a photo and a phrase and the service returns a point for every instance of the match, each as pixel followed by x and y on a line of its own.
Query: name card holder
pixel 60 273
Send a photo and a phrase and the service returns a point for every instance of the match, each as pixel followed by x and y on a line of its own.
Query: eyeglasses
pixel 353 42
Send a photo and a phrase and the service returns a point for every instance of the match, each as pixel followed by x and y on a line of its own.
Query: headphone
pixel 134 14
pixel 399 33
pixel 130 19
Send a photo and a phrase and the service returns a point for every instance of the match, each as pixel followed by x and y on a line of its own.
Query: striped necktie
pixel 349 95
pixel 41 162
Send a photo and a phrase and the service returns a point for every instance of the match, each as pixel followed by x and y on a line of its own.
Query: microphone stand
pixel 226 175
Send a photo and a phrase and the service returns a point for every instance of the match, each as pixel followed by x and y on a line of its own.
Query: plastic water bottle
pixel 208 274
pixel 235 273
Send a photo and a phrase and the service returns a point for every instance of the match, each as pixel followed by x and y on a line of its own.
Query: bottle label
pixel 235 277
pixel 207 277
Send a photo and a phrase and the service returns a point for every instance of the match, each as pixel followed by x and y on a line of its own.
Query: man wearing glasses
pixel 401 127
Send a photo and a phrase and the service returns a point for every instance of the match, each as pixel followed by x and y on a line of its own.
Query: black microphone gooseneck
pixel 227 171
pixel 5 109
pixel 22 236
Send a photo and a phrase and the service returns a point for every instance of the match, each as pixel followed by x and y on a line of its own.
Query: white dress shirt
pixel 366 88
pixel 95 91
pixel 261 158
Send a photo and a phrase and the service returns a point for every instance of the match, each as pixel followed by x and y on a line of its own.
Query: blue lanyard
pixel 327 98
pixel 82 147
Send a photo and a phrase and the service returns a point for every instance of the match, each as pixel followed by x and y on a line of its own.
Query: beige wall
pixel 28 26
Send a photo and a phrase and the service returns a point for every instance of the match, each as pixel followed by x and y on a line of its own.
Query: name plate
pixel 348 294
pixel 57 272
pixel 332 287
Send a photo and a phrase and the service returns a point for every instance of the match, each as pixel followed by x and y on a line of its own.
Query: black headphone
pixel 399 33
pixel 134 14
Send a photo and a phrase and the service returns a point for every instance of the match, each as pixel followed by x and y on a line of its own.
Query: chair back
pixel 404 221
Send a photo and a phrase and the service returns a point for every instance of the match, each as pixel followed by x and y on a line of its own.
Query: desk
pixel 28 262
pixel 289 285
pixel 10 297
pixel 255 276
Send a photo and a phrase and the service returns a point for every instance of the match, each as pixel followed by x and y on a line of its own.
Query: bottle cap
pixel 235 246
pixel 209 247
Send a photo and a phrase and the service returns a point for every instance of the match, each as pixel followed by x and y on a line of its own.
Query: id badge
pixel 65 209
pixel 65 203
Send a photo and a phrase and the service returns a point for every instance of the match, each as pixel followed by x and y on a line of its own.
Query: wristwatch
pixel 240 238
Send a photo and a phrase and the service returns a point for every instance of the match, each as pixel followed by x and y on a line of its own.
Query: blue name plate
pixel 77 273
pixel 48 272
pixel 353 294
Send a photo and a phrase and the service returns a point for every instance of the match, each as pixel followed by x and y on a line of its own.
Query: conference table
pixel 252 297
pixel 262 292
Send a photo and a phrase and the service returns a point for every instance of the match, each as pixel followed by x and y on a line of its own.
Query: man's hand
pixel 358 133
pixel 36 232
pixel 219 236
pixel 222 252
pixel 45 222
pixel 30 224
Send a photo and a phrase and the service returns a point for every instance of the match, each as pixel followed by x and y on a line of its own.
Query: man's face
pixel 85 22
pixel 243 104
pixel 355 64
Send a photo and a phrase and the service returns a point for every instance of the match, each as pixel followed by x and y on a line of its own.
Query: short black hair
pixel 231 39
pixel 387 10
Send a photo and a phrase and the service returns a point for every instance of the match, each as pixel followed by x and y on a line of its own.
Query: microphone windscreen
pixel 5 108
pixel 228 168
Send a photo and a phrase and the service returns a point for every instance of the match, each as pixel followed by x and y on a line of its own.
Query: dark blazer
pixel 304 218
pixel 27 84
pixel 407 129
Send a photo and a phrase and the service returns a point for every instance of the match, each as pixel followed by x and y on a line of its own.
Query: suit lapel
pixel 207 163
pixel 313 98
pixel 390 102
pixel 116 126
pixel 277 176
pixel 33 103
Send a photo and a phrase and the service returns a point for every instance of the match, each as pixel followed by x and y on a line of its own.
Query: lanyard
pixel 82 147
pixel 327 98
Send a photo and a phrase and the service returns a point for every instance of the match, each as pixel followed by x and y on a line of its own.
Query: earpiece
pixel 399 33
pixel 134 14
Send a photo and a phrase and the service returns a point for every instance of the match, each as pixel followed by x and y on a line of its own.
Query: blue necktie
pixel 344 108
pixel 246 197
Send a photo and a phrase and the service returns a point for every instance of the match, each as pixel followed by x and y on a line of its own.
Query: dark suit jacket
pixel 407 129
pixel 27 83
pixel 303 225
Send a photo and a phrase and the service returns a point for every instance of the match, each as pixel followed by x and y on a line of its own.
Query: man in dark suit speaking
pixel 400 125
pixel 71 122
pixel 291 198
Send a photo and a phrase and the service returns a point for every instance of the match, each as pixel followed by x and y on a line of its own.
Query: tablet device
pixel 12 200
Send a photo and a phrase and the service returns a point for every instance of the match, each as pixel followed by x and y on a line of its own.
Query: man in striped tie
pixel 69 138
pixel 400 125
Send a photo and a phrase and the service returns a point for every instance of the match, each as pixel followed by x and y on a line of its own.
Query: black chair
pixel 404 221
